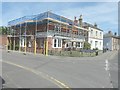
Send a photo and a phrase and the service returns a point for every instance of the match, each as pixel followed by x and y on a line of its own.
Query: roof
pixel 40 16
pixel 108 35
pixel 90 25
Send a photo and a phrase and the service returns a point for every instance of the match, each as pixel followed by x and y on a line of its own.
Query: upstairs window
pixel 96 33
pixel 100 34
pixel 91 32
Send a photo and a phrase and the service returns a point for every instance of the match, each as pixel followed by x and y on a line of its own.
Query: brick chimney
pixel 80 20
pixel 109 32
pixel 75 21
pixel 95 25
pixel 115 34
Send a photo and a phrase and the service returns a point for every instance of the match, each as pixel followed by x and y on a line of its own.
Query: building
pixel 95 36
pixel 111 41
pixel 46 32
pixel 3 41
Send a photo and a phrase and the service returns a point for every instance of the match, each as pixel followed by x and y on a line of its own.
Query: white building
pixel 95 36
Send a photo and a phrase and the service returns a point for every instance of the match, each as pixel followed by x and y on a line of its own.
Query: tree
pixel 3 30
pixel 87 45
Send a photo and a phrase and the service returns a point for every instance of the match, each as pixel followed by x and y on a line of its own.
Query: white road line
pixel 46 76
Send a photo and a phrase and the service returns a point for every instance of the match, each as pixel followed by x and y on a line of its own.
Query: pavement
pixel 39 71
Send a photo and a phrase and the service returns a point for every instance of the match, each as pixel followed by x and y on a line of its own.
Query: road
pixel 39 71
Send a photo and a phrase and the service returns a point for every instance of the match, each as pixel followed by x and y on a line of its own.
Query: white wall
pixel 95 38
pixel 99 46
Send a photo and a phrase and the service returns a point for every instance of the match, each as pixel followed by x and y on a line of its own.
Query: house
pixel 95 36
pixel 111 41
pixel 46 32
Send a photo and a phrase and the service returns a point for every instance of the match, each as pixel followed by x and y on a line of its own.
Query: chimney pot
pixel 115 33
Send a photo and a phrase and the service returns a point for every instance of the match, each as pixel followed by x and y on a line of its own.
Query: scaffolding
pixel 31 32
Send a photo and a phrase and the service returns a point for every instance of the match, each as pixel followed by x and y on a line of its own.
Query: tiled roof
pixel 85 24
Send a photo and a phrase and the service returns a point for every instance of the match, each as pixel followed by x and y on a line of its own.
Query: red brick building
pixel 46 32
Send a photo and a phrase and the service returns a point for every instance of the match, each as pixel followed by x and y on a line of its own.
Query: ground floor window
pixel 78 44
pixel 57 43
pixel 96 44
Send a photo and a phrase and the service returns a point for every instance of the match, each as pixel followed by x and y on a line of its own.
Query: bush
pixel 10 46
pixel 95 48
pixel 17 47
pixel 87 45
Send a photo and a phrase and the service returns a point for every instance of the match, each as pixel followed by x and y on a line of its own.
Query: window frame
pixel 57 43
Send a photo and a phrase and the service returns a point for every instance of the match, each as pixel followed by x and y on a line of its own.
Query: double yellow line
pixel 46 76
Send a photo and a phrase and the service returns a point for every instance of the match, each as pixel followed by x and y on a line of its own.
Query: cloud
pixel 101 13
pixel 104 14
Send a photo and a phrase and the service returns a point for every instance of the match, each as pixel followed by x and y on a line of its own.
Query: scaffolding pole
pixel 20 39
pixel 7 40
pixel 44 46
pixel 10 38
pixel 14 38
pixel 25 37
pixel 35 37
pixel 46 41
pixel 7 44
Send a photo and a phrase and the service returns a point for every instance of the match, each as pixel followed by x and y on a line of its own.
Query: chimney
pixel 80 20
pixel 109 32
pixel 115 34
pixel 75 21
pixel 95 25
pixel 74 18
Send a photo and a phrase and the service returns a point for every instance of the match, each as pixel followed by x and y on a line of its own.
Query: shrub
pixel 87 45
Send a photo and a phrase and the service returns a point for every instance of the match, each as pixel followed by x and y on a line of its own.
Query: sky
pixel 105 14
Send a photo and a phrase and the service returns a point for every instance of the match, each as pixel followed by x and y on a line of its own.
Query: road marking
pixel 52 79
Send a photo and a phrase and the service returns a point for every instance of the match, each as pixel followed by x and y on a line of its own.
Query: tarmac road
pixel 39 71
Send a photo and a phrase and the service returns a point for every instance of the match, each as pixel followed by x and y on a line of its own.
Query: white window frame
pixel 91 32
pixel 79 44
pixel 57 43
pixel 96 33
pixel 66 45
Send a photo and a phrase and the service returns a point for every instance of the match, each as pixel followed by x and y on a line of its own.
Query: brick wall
pixel 3 40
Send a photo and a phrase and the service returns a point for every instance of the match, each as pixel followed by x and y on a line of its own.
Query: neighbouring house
pixel 3 41
pixel 111 41
pixel 46 32
pixel 95 36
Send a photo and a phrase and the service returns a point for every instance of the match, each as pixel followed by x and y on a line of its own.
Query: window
pixel 67 45
pixel 55 42
pixel 100 34
pixel 78 44
pixel 59 42
pixel 91 32
pixel 96 43
pixel 91 41
pixel 96 33
pixel 81 44
pixel 72 44
pixel 100 43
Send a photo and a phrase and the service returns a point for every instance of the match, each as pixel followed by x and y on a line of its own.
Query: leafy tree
pixel 3 30
pixel 87 45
